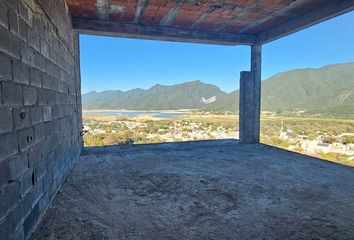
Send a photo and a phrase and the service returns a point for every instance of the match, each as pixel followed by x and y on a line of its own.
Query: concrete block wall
pixel 40 109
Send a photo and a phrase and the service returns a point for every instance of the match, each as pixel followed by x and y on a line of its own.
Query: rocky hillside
pixel 327 89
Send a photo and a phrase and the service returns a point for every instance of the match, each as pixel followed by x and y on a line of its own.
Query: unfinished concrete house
pixel 52 188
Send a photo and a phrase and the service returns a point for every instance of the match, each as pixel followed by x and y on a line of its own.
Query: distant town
pixel 310 136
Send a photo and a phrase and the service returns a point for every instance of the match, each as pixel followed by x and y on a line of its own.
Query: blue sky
pixel 117 63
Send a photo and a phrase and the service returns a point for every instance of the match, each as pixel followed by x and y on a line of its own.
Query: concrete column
pixel 250 99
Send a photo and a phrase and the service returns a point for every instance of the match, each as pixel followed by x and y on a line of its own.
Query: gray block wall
pixel 40 109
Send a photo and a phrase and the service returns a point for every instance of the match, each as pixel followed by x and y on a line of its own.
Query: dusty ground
pixel 201 190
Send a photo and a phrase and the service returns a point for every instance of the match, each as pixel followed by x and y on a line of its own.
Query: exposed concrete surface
pixel 201 190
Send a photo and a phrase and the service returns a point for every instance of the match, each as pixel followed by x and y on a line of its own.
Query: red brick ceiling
pixel 244 16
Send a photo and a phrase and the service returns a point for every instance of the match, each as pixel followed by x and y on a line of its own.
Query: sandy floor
pixel 201 190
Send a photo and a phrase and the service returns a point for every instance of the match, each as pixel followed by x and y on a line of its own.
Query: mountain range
pixel 326 89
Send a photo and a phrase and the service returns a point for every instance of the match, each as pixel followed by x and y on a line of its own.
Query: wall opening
pixel 308 106
pixel 138 91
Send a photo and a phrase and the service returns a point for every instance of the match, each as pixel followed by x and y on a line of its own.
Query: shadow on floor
pixel 201 190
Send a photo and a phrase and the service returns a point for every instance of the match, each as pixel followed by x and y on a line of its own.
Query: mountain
pixel 310 89
pixel 327 89
pixel 187 95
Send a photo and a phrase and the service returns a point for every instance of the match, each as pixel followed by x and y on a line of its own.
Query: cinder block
pixel 13 21
pixel 26 138
pixel 27 207
pixel 4 179
pixel 51 98
pixel 19 234
pixel 29 95
pixel 25 13
pixel 39 132
pixel 31 220
pixel 49 133
pixel 18 214
pixel 55 85
pixel 9 43
pixel 44 48
pixel 44 202
pixel 47 180
pixel 63 123
pixel 34 40
pixel 5 68
pixel 35 194
pixel 36 115
pixel 56 170
pixel 6 122
pixel 47 114
pixel 52 57
pixel 41 168
pixel 34 155
pixel 40 62
pixel 51 159
pixel 22 30
pixel 12 94
pixel 47 81
pixel 20 72
pixel 60 86
pixel 4 20
pixel 35 78
pixel 9 196
pixel 25 66
pixel 26 182
pixel 6 227
pixel 12 4
pixel 8 145
pixel 27 54
pixel 17 166
pixel 56 111
pixel 56 125
pixel 60 99
pixel 53 188
pixel 22 117
pixel 38 26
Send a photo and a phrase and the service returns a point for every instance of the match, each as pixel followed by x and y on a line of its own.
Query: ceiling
pixel 243 21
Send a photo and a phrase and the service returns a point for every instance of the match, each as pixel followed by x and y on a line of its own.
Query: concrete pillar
pixel 250 99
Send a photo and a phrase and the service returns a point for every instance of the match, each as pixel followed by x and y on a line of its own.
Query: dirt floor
pixel 201 190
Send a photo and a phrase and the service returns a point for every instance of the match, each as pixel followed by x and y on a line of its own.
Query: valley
pixel 331 139
pixel 328 90
pixel 309 111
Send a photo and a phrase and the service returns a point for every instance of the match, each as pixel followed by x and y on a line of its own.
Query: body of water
pixel 135 114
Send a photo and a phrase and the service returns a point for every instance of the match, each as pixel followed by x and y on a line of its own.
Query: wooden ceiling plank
pixel 141 4
pixel 171 16
pixel 201 18
pixel 244 13
pixel 102 9
pixel 283 12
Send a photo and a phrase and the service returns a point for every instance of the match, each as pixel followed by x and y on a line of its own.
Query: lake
pixel 156 114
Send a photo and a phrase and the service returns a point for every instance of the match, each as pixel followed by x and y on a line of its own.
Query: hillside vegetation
pixel 319 91
pixel 180 96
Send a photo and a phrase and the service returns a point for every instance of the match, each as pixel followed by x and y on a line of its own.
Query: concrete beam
pixel 128 30
pixel 327 11
pixel 250 99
